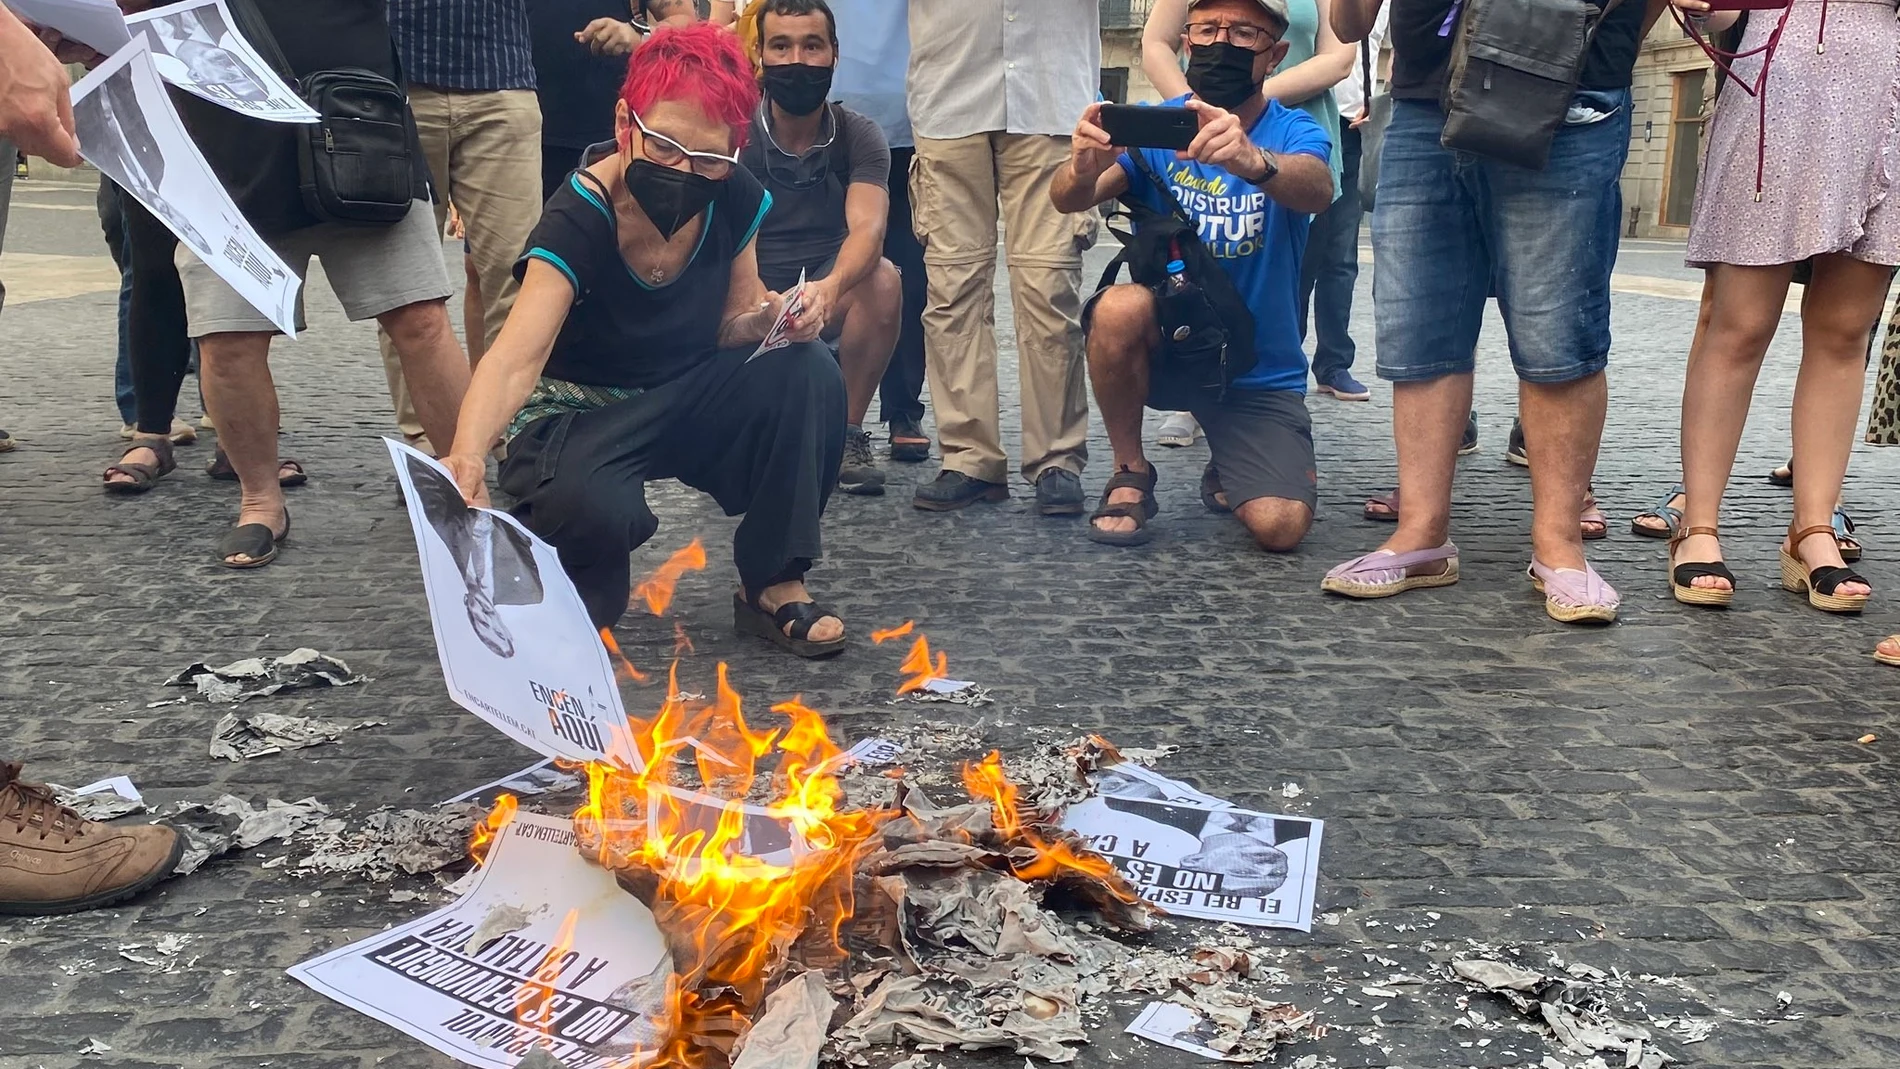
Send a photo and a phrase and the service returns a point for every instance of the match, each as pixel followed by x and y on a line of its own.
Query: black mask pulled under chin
pixel 1222 74
pixel 670 198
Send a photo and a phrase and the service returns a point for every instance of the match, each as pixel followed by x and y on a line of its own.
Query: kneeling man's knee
pixel 1276 523
pixel 1124 309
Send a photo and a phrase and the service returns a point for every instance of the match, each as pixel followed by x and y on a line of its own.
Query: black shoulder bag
pixel 1207 330
pixel 1514 67
pixel 356 164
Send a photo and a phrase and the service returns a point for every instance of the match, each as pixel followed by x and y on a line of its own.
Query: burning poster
pixel 196 47
pixel 129 130
pixel 1199 861
pixel 516 645
pixel 545 950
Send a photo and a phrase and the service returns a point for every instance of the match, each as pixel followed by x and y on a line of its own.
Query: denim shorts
pixel 1451 229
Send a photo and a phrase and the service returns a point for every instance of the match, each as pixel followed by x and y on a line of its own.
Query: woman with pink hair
pixel 629 355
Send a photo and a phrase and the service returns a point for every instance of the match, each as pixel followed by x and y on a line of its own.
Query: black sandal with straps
pixel 1140 511
pixel 1820 583
pixel 751 618
pixel 143 476
pixel 1682 577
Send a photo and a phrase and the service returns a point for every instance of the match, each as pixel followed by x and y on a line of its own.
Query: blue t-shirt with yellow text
pixel 1257 241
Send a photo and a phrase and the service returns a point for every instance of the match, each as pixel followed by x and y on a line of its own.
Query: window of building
pixel 1115 84
pixel 1685 147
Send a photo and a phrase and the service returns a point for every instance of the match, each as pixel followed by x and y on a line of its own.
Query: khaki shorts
pixel 372 269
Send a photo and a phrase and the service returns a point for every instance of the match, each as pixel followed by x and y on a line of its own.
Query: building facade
pixel 1122 77
pixel 1674 81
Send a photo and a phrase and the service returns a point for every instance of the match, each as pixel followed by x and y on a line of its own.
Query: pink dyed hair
pixel 703 64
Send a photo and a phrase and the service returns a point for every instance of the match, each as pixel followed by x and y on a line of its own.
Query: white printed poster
pixel 196 47
pixel 545 950
pixel 1218 864
pixel 129 130
pixel 516 645
pixel 1173 1025
pixel 97 24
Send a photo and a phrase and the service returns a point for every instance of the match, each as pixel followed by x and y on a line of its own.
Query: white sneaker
pixel 1178 429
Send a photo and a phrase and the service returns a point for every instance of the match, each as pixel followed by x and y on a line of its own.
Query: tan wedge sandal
pixel 1682 577
pixel 1819 583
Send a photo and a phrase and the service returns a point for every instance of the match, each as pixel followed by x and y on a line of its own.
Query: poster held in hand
pixel 1218 864
pixel 545 950
pixel 97 24
pixel 780 334
pixel 129 130
pixel 516 644
pixel 196 47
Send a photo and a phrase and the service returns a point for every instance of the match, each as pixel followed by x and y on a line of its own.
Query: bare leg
pixel 1840 307
pixel 1651 521
pixel 1744 310
pixel 1276 524
pixel 1428 420
pixel 868 319
pixel 432 364
pixel 1123 336
pixel 1563 426
pixel 235 372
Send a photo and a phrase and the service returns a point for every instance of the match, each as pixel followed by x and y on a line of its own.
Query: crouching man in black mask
pixel 629 355
pixel 828 170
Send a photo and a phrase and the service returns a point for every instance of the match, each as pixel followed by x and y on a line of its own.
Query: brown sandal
pixel 1819 583
pixel 289 472
pixel 143 476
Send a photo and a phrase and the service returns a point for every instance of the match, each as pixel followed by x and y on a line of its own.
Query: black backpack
pixel 1207 330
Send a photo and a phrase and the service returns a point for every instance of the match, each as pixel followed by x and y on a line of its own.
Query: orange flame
pixel 535 1004
pixel 986 781
pixel 657 589
pixel 490 826
pixel 620 659
pixel 918 667
pixel 734 883
pixel 905 628
pixel 681 644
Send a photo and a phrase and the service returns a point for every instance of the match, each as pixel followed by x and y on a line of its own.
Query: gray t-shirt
pixel 806 226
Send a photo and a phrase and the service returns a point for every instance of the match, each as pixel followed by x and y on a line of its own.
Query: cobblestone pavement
pixel 1681 794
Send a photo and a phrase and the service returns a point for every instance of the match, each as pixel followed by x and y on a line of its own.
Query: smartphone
pixel 1143 126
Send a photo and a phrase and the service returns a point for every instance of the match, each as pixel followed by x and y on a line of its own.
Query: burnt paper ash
pixel 242 736
pixel 256 677
pixel 1572 1003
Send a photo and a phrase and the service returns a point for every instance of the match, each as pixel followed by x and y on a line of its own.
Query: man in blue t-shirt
pixel 1251 182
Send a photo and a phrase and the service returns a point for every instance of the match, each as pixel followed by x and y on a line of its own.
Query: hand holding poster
pixel 545 950
pixel 1220 864
pixel 128 129
pixel 196 47
pixel 516 645
pixel 780 334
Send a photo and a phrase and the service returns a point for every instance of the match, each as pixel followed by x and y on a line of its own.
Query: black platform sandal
pixel 254 540
pixel 143 476
pixel 751 618
pixel 1682 577
pixel 1140 511
pixel 1821 583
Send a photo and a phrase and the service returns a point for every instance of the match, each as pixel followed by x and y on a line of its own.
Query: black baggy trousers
pixel 765 438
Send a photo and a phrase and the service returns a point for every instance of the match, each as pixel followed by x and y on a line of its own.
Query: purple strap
pixel 1451 18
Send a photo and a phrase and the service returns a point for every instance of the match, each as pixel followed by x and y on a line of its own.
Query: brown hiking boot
pixel 52 860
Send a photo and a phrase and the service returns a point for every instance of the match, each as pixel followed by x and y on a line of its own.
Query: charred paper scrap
pixel 1227 1026
pixel 108 799
pixel 256 677
pixel 392 842
pixel 231 823
pixel 240 737
pixel 1573 1008
pixel 951 691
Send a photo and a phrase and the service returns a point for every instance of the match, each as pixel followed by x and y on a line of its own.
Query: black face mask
pixel 670 198
pixel 799 88
pixel 1222 74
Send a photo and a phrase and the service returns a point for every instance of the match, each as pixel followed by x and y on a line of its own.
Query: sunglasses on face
pixel 667 152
